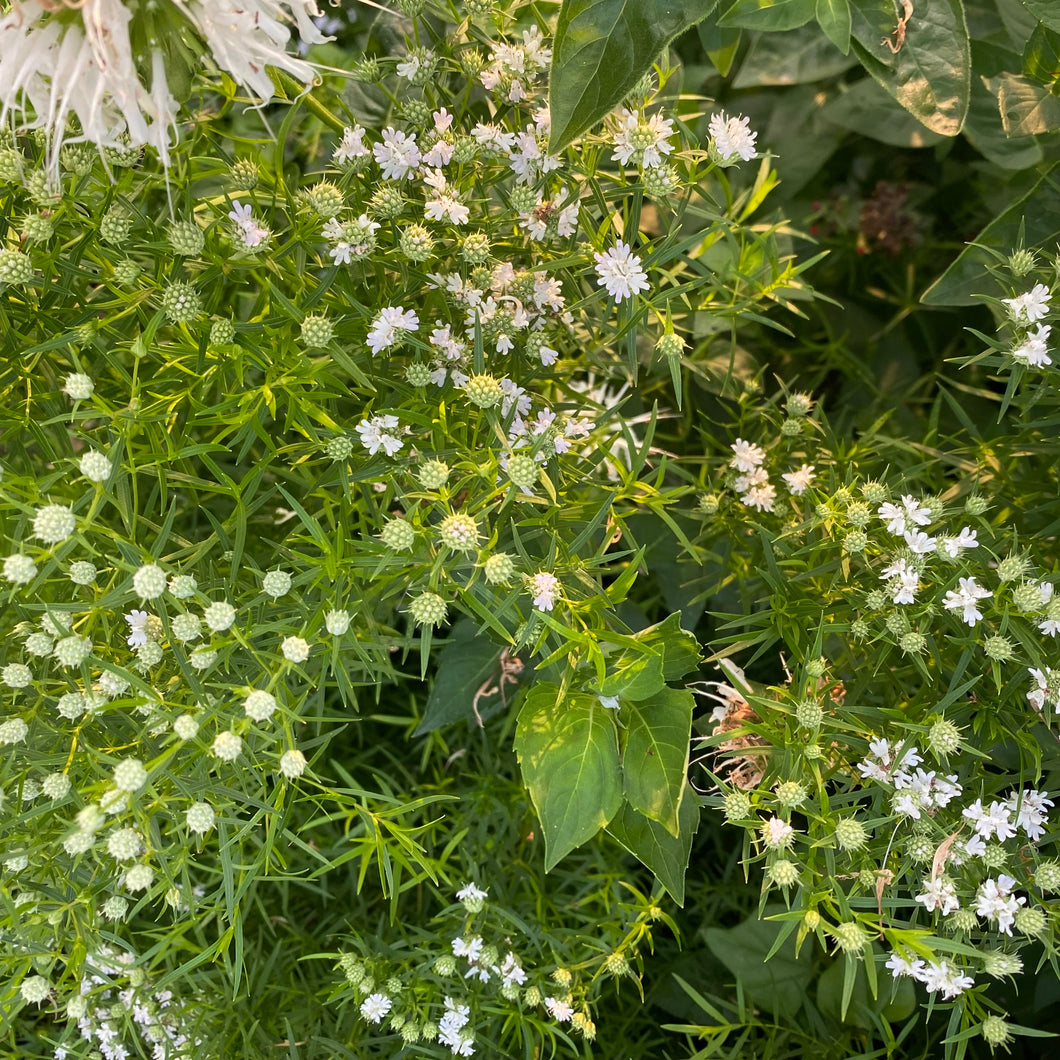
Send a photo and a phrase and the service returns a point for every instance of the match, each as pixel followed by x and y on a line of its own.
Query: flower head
pixel 619 271
pixel 732 137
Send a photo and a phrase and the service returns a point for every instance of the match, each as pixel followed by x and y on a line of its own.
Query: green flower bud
pixel 523 471
pixel 428 609
pixel 187 239
pixel 398 535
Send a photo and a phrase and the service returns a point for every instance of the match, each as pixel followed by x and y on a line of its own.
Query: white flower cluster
pixel 100 1010
pixel 464 1006
pixel 1026 311
pixel 752 483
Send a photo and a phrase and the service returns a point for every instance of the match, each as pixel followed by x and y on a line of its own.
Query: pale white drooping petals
pixel 79 62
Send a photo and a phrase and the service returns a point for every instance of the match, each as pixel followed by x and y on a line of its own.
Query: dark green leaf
pixel 720 44
pixel 987 134
pixel 469 661
pixel 1036 214
pixel 680 649
pixel 778 984
pixel 655 754
pixel 1046 11
pixel 867 109
pixel 649 842
pixel 930 73
pixel 636 675
pixel 790 58
pixel 768 14
pixel 601 50
pixel 833 16
pixel 1041 58
pixel 1027 108
pixel 568 751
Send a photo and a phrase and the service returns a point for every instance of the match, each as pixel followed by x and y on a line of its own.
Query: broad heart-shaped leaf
pixel 778 984
pixel 1041 57
pixel 866 108
pixel 651 844
pixel 767 14
pixel 988 136
pixel 655 754
pixel 680 649
pixel 1046 11
pixel 1027 108
pixel 636 674
pixel 930 74
pixel 467 662
pixel 568 752
pixel 833 16
pixel 720 44
pixel 602 48
pixel 791 58
pixel 1038 212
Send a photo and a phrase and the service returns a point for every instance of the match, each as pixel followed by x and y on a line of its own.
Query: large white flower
pixel 72 58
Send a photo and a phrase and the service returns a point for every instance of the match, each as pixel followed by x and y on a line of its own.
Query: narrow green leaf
pixel 655 754
pixel 568 752
pixel 602 48
pixel 650 843
pixel 833 16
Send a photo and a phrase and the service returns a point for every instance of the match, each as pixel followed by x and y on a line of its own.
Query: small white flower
pixel 53 523
pixel 1033 351
pixel 390 326
pixel 966 599
pixel 200 818
pixel 559 1010
pixel 378 433
pixel 397 154
pixel 777 833
pixel 939 894
pixel 227 746
pixel 732 137
pixel 375 1007
pixel 545 587
pixel 799 481
pixel 78 386
pixel 95 466
pixel 351 146
pixel 137 621
pixel 295 649
pixel 618 270
pixel 644 142
pixel 259 705
pixel 747 456
pixel 250 232
pixel 953 546
pixel 292 764
pixel 337 622
pixel 1031 306
pixel 919 542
